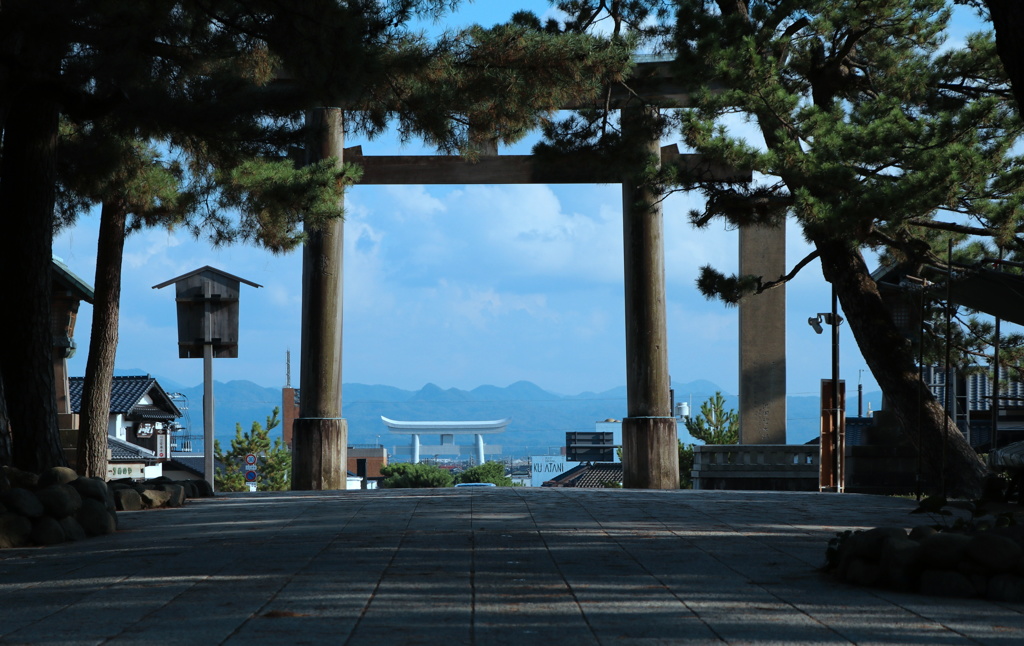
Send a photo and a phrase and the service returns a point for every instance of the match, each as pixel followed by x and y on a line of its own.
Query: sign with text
pixel 589 447
pixel 122 470
pixel 545 467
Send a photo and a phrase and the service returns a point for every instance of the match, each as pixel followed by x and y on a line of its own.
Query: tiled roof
pixel 125 395
pixel 195 464
pixel 121 451
pixel 148 411
pixel 588 475
pixel 63 275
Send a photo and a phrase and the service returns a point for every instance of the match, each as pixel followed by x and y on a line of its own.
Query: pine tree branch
pixel 953 227
pixel 782 280
pixel 974 91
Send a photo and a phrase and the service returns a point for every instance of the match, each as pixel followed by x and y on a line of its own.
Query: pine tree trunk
pixel 1008 20
pixel 5 429
pixel 27 194
pixel 99 367
pixel 946 454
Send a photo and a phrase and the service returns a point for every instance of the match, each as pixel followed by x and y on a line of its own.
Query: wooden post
pixel 833 436
pixel 208 404
pixel 650 453
pixel 320 435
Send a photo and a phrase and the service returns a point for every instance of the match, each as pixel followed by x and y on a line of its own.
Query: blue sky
pixel 465 285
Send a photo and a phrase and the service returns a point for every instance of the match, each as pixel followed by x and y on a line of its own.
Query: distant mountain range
pixel 540 418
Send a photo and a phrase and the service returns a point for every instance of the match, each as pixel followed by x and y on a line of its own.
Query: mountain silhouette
pixel 540 418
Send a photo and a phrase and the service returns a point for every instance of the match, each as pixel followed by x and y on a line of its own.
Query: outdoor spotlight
pixel 815 322
pixel 830 319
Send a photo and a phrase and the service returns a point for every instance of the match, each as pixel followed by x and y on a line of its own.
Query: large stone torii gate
pixel 650 456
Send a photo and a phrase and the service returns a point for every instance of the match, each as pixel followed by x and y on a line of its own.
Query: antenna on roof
pixel 288 368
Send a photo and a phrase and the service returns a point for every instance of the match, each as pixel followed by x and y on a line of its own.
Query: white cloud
pixel 153 246
pixel 412 202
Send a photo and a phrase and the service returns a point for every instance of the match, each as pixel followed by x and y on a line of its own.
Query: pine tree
pixel 875 137
pixel 115 64
pixel 273 459
pixel 207 79
pixel 714 424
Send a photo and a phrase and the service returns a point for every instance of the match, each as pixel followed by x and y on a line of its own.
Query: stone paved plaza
pixel 479 566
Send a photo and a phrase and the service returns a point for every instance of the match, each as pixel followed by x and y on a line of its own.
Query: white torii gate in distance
pixel 476 429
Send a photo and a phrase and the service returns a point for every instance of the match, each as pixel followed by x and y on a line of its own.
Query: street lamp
pixel 833 320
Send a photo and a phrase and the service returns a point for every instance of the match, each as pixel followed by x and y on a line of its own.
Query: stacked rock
pixel 986 564
pixel 157 492
pixel 53 507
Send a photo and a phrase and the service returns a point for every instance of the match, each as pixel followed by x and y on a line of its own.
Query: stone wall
pixel 987 564
pixel 58 505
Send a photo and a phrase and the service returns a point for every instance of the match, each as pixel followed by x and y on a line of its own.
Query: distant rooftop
pixel 126 393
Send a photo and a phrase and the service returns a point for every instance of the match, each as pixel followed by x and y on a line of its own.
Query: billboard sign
pixel 545 467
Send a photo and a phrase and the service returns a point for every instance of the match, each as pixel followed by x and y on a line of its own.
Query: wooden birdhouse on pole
pixel 207 304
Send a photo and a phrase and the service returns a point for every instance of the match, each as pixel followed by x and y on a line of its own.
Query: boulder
pixel 866 545
pixel 190 488
pixel 15 530
pixel 177 494
pixel 152 498
pixel 998 553
pixel 204 489
pixel 972 568
pixel 60 500
pixel 944 550
pixel 91 488
pixel 95 519
pixel 127 499
pixel 945 583
pixel 72 529
pixel 900 563
pixel 108 495
pixel 22 501
pixel 862 571
pixel 922 532
pixel 57 475
pixel 1006 587
pixel 23 479
pixel 47 531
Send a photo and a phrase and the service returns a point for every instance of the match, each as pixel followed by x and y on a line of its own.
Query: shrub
pixel 493 472
pixel 404 475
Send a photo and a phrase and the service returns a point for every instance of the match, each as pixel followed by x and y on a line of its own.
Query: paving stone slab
pixel 503 566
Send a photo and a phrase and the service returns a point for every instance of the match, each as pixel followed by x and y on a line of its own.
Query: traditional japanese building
pixel 142 420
